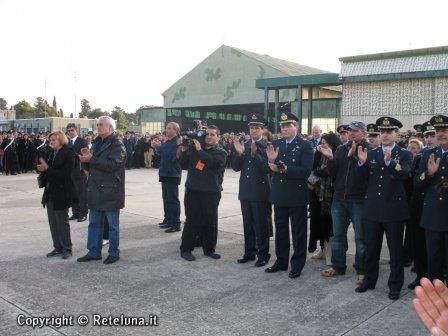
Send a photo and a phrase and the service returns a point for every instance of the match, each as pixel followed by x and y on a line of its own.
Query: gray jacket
pixel 105 187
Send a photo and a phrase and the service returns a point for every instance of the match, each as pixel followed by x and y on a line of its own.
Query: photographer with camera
pixel 205 161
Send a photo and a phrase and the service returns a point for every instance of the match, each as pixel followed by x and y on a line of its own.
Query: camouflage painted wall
pixel 226 77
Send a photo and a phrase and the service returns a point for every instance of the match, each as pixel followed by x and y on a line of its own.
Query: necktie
pixel 71 142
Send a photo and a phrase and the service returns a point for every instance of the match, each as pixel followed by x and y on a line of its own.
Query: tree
pixel 3 104
pixel 133 118
pixel 43 110
pixel 120 116
pixel 61 113
pixel 96 113
pixel 55 106
pixel 85 108
pixel 24 110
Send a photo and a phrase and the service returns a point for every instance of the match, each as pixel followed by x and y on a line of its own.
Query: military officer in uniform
pixel 342 131
pixel 432 177
pixel 9 147
pixel 250 158
pixel 373 135
pixel 386 206
pixel 419 132
pixel 416 205
pixel 291 160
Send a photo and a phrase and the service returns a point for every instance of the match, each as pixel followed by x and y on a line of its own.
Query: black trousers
pixel 298 217
pixel 201 219
pixel 374 232
pixel 419 248
pixel 255 225
pixel 59 227
pixel 79 207
pixel 11 163
pixel 437 248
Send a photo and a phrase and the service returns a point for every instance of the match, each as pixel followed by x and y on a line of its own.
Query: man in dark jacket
pixel 105 190
pixel 170 175
pixel 206 164
pixel 348 200
pixel 79 209
pixel 291 160
pixel 250 158
pixel 386 207
pixel 432 178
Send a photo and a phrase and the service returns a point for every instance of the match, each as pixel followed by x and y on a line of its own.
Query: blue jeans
pixel 95 232
pixel 343 212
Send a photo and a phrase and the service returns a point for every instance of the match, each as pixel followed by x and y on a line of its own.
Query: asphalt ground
pixel 174 297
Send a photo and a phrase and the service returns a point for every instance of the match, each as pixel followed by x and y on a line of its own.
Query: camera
pixel 198 133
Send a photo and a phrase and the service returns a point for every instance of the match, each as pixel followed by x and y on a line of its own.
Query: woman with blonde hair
pixel 59 190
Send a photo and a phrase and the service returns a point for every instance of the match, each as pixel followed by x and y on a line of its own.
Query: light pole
pixel 74 113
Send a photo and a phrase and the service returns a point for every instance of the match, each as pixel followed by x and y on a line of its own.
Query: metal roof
pixel 324 80
pixel 396 54
pixel 289 68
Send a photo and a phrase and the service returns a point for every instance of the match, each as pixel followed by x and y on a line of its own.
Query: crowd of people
pixel 371 176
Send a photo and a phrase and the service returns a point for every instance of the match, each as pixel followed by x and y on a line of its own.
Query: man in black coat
pixel 129 144
pixel 105 190
pixel 206 164
pixel 79 208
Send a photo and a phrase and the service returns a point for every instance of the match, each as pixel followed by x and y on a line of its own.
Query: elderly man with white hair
pixel 105 189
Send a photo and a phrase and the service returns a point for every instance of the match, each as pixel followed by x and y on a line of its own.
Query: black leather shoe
pixel 364 288
pixel 72 217
pixel 213 255
pixel 414 284
pixel 294 274
pixel 394 296
pixel 110 260
pixel 245 259
pixel 54 253
pixel 187 256
pixel 170 230
pixel 82 219
pixel 263 261
pixel 165 226
pixel 66 254
pixel 275 268
pixel 88 258
pixel 162 223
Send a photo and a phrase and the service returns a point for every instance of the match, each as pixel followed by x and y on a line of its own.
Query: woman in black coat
pixel 321 226
pixel 59 191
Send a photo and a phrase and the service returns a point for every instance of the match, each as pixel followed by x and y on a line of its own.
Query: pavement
pixel 173 296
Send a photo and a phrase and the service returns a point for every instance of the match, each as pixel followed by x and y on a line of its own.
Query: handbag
pixel 312 181
pixel 41 180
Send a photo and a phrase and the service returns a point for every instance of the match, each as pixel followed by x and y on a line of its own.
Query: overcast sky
pixel 126 53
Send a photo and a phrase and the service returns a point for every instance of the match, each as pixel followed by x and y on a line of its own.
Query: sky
pixel 126 53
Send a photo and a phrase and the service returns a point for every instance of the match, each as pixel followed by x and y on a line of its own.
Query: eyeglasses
pixel 71 130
